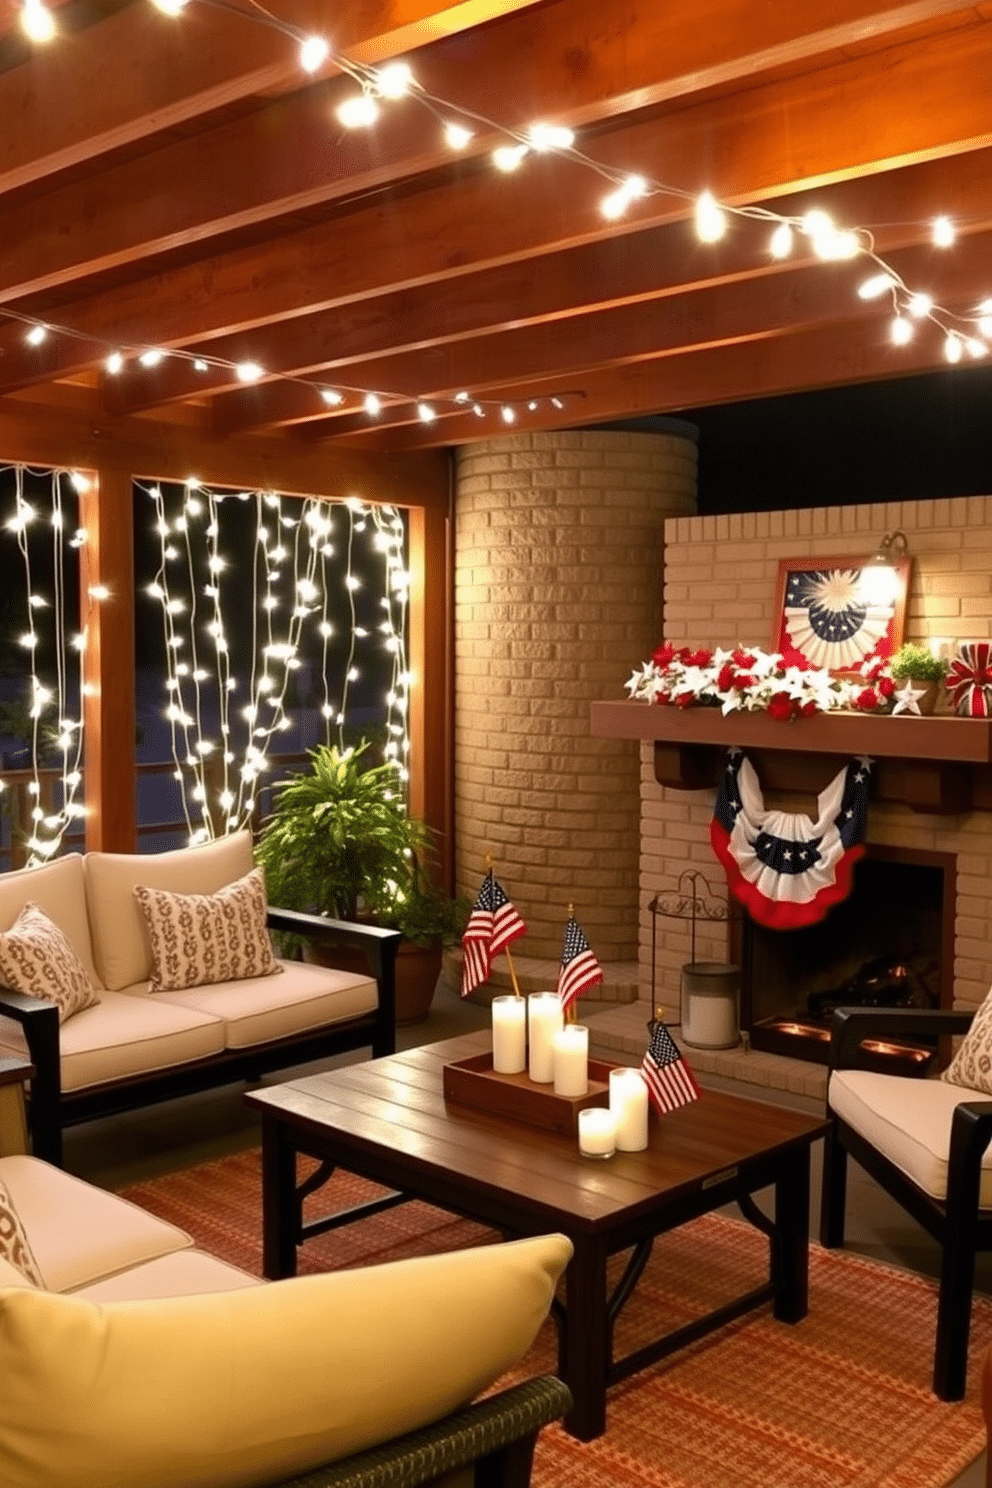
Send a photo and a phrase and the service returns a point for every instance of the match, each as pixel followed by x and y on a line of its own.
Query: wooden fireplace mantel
pixel 941 764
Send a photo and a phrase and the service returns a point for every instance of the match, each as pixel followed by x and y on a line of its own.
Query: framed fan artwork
pixel 838 613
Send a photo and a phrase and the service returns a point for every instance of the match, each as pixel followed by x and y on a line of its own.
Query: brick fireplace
pixel 719 589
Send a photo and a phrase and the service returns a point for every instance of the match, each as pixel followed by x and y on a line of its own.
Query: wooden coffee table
pixel 387 1120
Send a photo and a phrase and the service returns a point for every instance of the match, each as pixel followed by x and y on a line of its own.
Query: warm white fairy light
pixel 331 397
pixel 248 371
pixel 953 347
pixel 781 241
pixel 219 790
pixel 426 413
pixel 358 112
pixel 543 137
pixel 36 335
pixel 919 305
pixel 456 136
pixel 373 405
pixel 901 331
pixel 394 80
pixel 875 285
pixel 711 219
pixel 507 158
pixel 943 232
pixel 37 21
pixel 51 699
pixel 617 202
pixel 152 357
pixel 314 52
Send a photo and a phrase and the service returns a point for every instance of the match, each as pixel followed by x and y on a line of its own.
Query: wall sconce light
pixel 879 580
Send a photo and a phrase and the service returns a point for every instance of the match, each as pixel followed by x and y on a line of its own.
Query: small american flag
pixel 669 1079
pixel 579 967
pixel 492 925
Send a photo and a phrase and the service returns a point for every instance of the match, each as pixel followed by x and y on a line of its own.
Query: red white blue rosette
pixel 969 679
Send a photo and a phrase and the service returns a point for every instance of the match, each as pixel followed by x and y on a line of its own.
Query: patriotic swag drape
pixel 787 869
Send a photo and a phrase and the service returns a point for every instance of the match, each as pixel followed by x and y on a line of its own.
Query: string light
pixel 37 21
pixel 53 699
pixel 395 81
pixel 219 780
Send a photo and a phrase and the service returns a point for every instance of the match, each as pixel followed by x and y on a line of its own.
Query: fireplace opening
pixel 889 944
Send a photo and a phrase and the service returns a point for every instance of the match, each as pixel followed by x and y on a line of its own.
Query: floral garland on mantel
pixel 751 681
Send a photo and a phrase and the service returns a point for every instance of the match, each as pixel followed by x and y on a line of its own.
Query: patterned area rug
pixel 842 1400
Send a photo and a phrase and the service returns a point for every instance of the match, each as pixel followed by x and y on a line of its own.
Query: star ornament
pixel 906 700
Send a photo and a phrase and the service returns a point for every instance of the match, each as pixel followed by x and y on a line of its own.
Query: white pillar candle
pixel 570 1060
pixel 544 1020
pixel 597 1132
pixel 629 1104
pixel 509 1035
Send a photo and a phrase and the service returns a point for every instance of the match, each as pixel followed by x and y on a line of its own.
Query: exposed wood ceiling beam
pixel 813 357
pixel 179 70
pixel 570 57
pixel 822 127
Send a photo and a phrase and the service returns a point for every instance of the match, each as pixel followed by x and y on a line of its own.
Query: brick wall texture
pixel 559 555
pixel 720 588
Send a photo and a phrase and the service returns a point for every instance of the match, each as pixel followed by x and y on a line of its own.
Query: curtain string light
pixel 295 569
pixel 55 695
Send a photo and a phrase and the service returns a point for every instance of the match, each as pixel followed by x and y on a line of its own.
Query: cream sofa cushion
pixel 78 1233
pixel 266 1008
pixel 198 939
pixel 126 1034
pixel 37 958
pixel 120 942
pixel 247 1387
pixel 181 1273
pixel 59 890
pixel 909 1121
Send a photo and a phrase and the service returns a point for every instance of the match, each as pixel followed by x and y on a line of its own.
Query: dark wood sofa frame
pixel 51 1109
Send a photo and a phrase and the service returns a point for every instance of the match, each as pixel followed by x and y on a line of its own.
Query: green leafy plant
pixel 919 662
pixel 339 841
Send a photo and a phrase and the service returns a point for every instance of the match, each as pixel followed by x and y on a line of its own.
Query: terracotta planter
pixel 417 972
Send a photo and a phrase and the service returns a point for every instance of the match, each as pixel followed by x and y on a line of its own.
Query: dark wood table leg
pixel 278 1201
pixel 792 1228
pixel 582 1342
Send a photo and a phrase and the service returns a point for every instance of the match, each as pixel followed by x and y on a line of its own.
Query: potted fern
pixel 339 841
pixel 917 665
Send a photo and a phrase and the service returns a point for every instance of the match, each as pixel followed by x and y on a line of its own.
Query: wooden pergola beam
pixel 776 138
pixel 252 169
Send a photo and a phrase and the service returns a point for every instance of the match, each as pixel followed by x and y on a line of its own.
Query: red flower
pixel 886 686
pixel 744 658
pixel 808 709
pixel 742 680
pixel 780 706
pixel 700 658
pixel 684 699
pixel 727 677
pixel 867 699
pixel 664 656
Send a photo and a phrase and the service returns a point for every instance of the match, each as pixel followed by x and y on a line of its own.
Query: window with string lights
pixel 266 625
pixel 41 658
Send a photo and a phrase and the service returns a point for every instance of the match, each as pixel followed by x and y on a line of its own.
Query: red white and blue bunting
pixel 785 868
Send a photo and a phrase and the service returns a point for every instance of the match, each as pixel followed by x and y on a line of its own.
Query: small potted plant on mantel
pixel 914 663
pixel 339 842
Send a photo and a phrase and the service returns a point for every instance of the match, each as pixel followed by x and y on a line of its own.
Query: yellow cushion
pixel 37 958
pixel 198 939
pixel 245 1388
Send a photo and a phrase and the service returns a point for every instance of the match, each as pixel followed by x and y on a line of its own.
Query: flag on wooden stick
pixel 669 1079
pixel 493 924
pixel 579 967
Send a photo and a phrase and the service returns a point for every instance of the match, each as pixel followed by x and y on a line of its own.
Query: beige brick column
pixel 558 595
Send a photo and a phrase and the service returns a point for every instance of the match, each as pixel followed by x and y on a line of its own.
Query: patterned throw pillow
pixel 972 1064
pixel 14 1246
pixel 200 938
pixel 36 957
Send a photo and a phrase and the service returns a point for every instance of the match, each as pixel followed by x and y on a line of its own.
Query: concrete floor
pixel 146 1144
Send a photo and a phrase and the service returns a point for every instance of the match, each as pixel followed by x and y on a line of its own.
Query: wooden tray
pixel 473 1082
